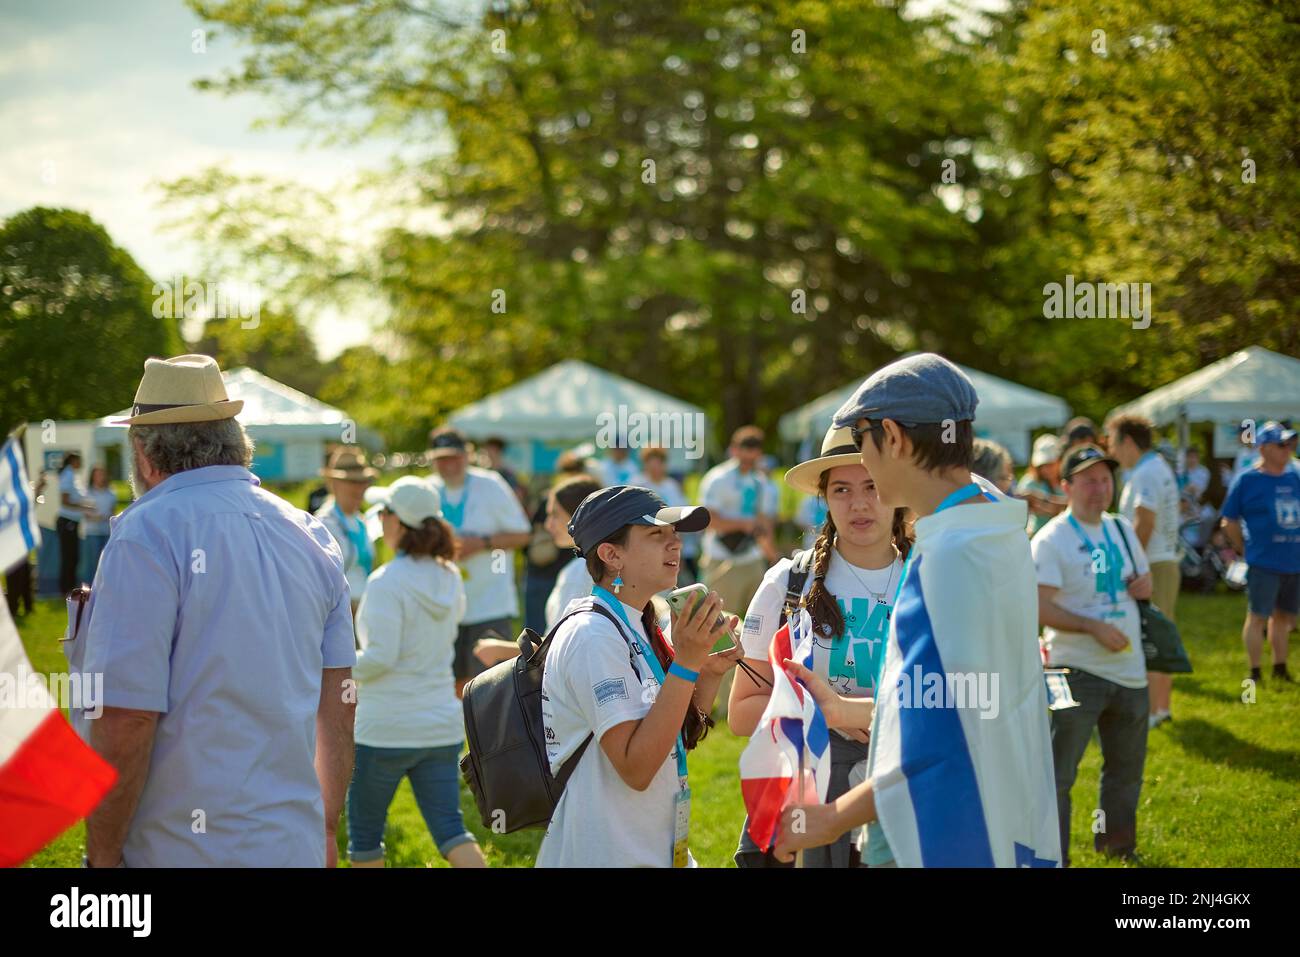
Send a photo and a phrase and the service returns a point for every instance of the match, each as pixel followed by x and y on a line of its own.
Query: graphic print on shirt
pixel 1287 508
pixel 857 655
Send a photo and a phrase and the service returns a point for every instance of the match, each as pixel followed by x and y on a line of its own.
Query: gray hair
pixel 992 459
pixel 182 446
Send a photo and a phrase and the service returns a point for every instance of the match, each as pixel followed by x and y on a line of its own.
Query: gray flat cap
pixel 919 388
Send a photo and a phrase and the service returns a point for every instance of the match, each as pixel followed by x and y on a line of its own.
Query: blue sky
pixel 97 104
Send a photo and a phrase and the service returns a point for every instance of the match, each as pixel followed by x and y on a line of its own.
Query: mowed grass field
pixel 1222 785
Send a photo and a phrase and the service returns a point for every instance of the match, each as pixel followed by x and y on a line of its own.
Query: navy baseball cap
pixel 606 510
pixel 1274 433
pixel 1084 457
pixel 922 388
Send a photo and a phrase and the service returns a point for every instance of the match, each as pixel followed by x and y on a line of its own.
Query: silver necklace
pixel 878 596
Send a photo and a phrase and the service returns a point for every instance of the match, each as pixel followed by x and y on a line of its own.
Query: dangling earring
pixel 618 583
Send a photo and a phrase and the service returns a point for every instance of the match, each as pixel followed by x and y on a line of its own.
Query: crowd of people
pixel 266 673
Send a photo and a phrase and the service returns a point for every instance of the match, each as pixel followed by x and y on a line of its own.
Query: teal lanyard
pixel 455 514
pixel 657 669
pixel 749 496
pixel 1111 574
pixel 359 539
pixel 955 498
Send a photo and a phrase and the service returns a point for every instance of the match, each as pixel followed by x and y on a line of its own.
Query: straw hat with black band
pixel 349 464
pixel 837 449
pixel 185 388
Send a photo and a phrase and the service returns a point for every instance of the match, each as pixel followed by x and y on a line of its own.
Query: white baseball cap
pixel 1047 448
pixel 411 499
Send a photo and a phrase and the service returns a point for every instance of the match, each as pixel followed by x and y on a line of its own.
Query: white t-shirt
pixel 574 581
pixel 1152 485
pixel 729 493
pixel 406 627
pixel 490 508
pixel 850 664
pixel 588 687
pixel 1063 561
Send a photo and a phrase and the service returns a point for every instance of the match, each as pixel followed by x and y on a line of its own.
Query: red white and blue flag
pixel 791 737
pixel 49 778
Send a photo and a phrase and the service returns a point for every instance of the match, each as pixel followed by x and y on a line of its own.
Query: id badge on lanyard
pixel 681 825
pixel 682 800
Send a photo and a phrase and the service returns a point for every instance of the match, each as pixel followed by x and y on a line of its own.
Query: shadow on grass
pixel 1221 747
pixel 1188 684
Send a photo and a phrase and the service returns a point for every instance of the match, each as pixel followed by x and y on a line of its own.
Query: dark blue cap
pixel 606 510
pixel 921 388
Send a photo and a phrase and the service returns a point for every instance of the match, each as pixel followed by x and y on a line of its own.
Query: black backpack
pixel 506 766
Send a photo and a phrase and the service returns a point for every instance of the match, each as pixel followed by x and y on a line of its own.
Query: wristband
pixel 684 673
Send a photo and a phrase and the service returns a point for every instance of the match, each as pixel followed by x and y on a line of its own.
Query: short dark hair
pixel 433 538
pixel 1136 427
pixel 496 440
pixel 748 435
pixel 570 492
pixel 929 450
pixel 654 452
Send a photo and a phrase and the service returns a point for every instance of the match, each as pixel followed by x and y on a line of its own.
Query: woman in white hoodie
pixel 409 721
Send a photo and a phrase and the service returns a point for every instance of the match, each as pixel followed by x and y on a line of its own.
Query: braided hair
pixel 828 619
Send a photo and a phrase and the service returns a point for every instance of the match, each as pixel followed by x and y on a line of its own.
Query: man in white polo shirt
pixel 1150 502
pixel 738 547
pixel 490 524
pixel 1091 570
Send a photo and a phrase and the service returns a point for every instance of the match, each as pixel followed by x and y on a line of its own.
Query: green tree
pixel 738 202
pixel 273 343
pixel 76 319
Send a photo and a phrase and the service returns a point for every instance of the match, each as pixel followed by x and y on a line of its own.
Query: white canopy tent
pixel 1007 413
pixel 1255 384
pixel 573 402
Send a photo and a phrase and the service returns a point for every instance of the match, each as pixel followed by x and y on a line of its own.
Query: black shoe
pixel 1281 674
pixel 1255 675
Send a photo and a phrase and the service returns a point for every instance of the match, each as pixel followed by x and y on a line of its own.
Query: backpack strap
pixel 600 609
pixel 800 567
pixel 571 762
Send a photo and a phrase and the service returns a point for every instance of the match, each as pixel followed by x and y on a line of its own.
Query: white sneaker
pixel 1157 719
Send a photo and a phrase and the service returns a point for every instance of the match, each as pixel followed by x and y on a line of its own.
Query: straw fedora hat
pixel 349 464
pixel 837 449
pixel 181 389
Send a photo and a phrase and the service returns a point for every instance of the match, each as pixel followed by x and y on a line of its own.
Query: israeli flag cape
pixel 961 756
pixel 19 532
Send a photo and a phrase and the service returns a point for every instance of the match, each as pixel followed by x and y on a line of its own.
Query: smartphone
pixel 684 600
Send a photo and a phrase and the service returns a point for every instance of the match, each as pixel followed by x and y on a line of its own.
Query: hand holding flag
pixel 788 757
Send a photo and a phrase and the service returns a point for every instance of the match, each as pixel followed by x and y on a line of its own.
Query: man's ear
pixel 895 439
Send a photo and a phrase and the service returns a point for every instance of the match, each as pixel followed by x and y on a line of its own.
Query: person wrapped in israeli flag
pixel 959 772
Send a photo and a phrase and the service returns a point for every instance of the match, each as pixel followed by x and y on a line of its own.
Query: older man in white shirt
pixel 220 620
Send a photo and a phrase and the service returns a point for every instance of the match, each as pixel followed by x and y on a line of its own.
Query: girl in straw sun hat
pixel 848 588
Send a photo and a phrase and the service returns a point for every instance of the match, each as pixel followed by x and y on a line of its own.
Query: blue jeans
pixel 435 779
pixel 1120 716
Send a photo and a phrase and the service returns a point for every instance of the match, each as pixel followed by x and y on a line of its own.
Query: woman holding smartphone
pixel 848 589
pixel 616 686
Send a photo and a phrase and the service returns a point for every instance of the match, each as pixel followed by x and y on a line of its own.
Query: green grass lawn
pixel 1220 788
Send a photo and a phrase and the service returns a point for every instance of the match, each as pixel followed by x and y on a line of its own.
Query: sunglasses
pixel 858 434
